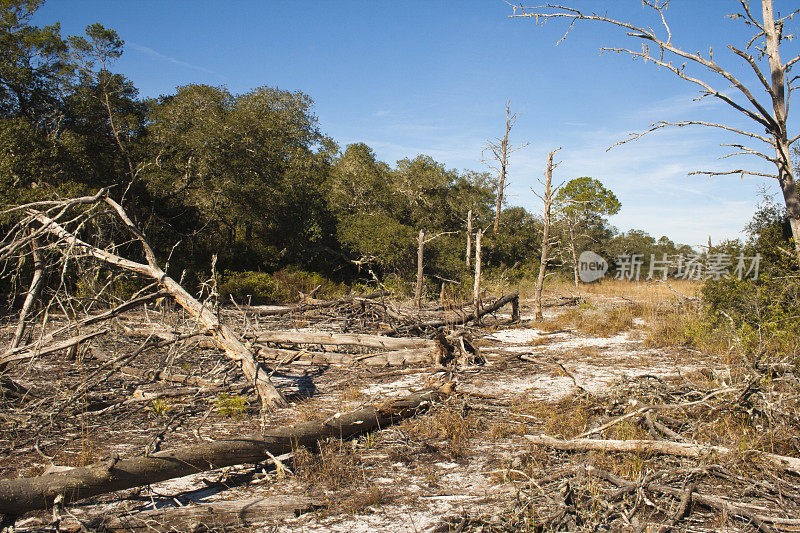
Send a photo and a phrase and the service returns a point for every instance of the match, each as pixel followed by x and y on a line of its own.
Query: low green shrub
pixel 255 287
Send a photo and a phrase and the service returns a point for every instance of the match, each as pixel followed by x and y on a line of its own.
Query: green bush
pixel 255 287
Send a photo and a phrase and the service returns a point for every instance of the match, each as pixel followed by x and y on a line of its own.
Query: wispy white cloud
pixel 158 55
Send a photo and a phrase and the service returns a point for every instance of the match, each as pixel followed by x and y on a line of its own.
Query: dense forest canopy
pixel 251 178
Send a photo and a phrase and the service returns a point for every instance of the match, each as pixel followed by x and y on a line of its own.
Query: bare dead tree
pixel 469 235
pixel 53 222
pixel 476 287
pixel 421 242
pixel 769 139
pixel 547 200
pixel 500 150
pixel 30 297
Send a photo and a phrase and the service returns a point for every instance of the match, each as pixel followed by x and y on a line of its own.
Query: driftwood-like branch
pixel 681 449
pixel 302 308
pixel 30 298
pixel 214 516
pixel 400 357
pixel 63 345
pixel 18 496
pixel 456 320
pixel 42 346
pixel 344 339
pixel 225 339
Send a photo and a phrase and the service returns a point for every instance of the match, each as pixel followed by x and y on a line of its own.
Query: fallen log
pixel 303 307
pixel 343 339
pixel 241 514
pixel 391 358
pixel 458 319
pixel 18 496
pixel 681 449
pixel 63 345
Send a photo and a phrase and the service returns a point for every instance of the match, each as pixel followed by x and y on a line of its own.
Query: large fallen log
pixel 390 358
pixel 343 339
pixel 459 318
pixel 241 514
pixel 303 307
pixel 18 496
pixel 225 338
pixel 681 449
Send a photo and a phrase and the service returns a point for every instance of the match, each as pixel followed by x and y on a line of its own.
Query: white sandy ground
pixel 595 363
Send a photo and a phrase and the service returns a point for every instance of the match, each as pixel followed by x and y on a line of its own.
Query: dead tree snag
pixel 225 339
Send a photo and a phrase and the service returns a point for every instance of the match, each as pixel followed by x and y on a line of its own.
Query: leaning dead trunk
pixel 547 199
pixel 224 338
pixel 18 496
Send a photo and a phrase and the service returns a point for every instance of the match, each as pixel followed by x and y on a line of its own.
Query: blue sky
pixel 432 77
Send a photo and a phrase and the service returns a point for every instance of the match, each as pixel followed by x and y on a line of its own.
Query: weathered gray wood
pixel 343 339
pixel 238 514
pixel 476 286
pixel 392 358
pixel 303 307
pixel 18 496
pixel 458 319
pixel 682 449
pixel 225 338
pixel 420 256
pixel 547 199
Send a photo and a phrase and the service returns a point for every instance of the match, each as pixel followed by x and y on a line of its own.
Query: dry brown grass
pixel 449 424
pixel 337 465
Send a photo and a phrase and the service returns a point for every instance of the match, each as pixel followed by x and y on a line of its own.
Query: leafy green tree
pixel 583 203
pixel 34 65
pixel 251 166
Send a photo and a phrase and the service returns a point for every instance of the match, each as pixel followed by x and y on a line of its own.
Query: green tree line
pixel 251 178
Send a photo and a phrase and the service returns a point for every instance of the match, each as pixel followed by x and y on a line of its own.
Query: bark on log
pixel 392 358
pixel 301 308
pixel 681 449
pixel 456 320
pixel 343 339
pixel 18 496
pixel 225 339
pixel 240 514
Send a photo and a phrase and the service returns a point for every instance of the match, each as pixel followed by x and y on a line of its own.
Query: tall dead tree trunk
pixel 501 151
pixel 547 200
pixel 421 242
pixel 469 236
pixel 225 339
pixel 501 179
pixel 420 253
pixel 571 225
pixel 768 138
pixel 786 177
pixel 476 287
